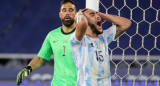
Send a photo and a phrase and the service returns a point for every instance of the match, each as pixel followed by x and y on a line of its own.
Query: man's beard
pixel 93 28
pixel 67 23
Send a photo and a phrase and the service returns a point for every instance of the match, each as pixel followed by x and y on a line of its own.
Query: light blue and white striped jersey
pixel 91 58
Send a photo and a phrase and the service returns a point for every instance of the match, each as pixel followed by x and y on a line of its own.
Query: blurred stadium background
pixel 135 56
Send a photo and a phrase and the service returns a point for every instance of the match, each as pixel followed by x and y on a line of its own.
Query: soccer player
pixel 57 43
pixel 90 46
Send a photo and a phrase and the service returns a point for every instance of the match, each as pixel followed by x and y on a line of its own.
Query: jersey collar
pixel 68 32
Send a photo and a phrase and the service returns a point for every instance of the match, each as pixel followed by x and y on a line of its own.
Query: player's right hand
pixel 79 16
pixel 23 74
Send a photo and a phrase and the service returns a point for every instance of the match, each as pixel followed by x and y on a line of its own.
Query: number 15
pixel 99 56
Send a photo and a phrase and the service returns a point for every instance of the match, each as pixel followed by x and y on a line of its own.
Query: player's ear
pixel 60 14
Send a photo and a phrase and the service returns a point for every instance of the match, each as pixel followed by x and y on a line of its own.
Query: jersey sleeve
pixel 110 33
pixel 46 50
pixel 76 48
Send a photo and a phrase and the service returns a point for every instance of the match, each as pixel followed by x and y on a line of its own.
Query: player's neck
pixel 68 29
pixel 90 33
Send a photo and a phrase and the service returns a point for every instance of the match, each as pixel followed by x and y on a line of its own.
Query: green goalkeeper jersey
pixel 58 43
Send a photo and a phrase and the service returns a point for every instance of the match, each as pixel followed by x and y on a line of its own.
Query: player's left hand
pixel 23 74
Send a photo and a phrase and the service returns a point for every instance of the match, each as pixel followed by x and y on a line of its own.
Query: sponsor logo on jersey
pixel 55 41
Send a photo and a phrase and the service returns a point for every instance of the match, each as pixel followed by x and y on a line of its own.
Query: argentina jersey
pixel 92 59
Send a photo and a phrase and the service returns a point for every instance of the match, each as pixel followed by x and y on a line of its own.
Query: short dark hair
pixel 66 1
pixel 84 10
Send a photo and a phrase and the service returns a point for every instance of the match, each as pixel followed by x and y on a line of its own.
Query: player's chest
pixel 98 50
pixel 61 46
pixel 62 41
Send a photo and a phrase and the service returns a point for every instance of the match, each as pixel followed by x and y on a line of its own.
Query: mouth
pixel 99 24
pixel 67 18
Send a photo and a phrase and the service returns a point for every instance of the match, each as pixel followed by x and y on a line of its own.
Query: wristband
pixel 29 68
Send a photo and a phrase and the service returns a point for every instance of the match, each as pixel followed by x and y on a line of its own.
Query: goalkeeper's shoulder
pixel 54 31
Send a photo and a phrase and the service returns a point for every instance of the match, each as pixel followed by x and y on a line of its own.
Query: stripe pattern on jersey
pixel 92 59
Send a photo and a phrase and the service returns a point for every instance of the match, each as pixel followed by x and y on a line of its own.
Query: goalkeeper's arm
pixel 33 65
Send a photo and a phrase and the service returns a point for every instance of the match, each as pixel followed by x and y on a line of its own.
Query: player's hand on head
pixel 101 14
pixel 79 16
pixel 23 74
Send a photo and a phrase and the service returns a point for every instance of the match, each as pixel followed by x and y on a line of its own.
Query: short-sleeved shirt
pixel 58 43
pixel 92 59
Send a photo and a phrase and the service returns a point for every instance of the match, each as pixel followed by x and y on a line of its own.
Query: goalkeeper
pixel 57 43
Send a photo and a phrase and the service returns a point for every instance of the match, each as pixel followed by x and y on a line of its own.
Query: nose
pixel 98 17
pixel 67 13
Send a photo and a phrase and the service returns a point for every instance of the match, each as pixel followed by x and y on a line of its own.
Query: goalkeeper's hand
pixel 23 74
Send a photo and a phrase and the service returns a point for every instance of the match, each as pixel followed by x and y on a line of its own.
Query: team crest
pixel 102 45
pixel 65 40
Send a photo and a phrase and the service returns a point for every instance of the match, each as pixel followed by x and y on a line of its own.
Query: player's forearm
pixel 81 30
pixel 36 63
pixel 122 22
pixel 81 25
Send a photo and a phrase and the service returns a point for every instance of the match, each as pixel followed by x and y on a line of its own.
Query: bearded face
pixel 94 21
pixel 67 21
pixel 96 25
pixel 94 29
pixel 67 14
